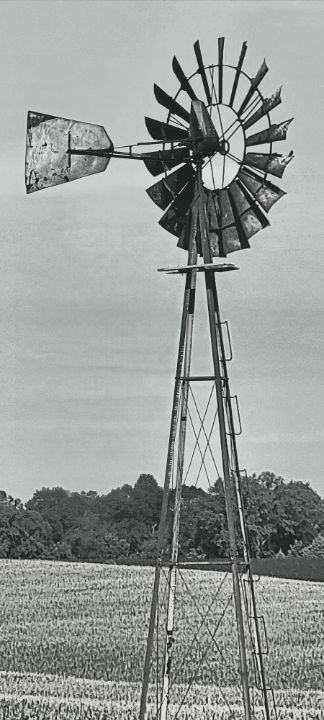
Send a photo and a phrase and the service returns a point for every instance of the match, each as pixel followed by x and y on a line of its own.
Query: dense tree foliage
pixel 122 526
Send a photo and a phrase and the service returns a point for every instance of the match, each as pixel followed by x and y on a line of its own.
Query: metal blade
pixel 267 105
pixel 167 101
pixel 163 160
pixel 164 191
pixel 274 164
pixel 174 218
pixel 233 237
pixel 248 215
pixel 255 82
pixel 163 131
pixel 237 73
pixel 183 80
pixel 202 71
pixel 213 216
pixel 271 134
pixel 49 139
pixel 220 68
pixel 262 190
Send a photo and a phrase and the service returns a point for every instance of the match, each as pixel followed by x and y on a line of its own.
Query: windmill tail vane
pixel 212 161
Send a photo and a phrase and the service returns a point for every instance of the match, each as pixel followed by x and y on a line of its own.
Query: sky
pixel 89 329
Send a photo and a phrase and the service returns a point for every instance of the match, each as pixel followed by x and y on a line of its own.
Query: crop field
pixel 73 641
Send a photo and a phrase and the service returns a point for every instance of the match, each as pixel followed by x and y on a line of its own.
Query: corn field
pixel 73 641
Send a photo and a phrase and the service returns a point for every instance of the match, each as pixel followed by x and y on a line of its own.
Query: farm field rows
pixel 73 641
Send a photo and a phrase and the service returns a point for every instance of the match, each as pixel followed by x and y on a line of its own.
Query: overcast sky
pixel 88 327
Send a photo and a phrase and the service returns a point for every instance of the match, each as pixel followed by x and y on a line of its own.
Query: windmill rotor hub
pixel 224 147
pixel 206 147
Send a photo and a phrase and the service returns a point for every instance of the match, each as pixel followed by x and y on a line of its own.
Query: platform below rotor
pixel 220 267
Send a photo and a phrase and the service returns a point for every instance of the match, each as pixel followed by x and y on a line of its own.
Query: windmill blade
pixel 202 71
pixel 222 240
pixel 237 73
pixel 272 134
pixel 221 41
pixel 262 190
pixel 255 82
pixel 267 105
pixel 248 215
pixel 162 160
pixel 164 191
pixel 174 218
pixel 233 236
pixel 163 131
pixel 183 80
pixel 167 101
pixel 213 220
pixel 49 140
pixel 274 163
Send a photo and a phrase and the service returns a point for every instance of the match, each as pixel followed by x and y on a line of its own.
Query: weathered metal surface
pixel 212 209
pixel 274 163
pixel 237 73
pixel 249 216
pixel 264 191
pixel 201 124
pixel 221 41
pixel 255 82
pixel 167 101
pixel 182 269
pixel 165 131
pixel 183 80
pixel 213 220
pixel 267 105
pixel 271 134
pixel 202 71
pixel 174 218
pixel 49 139
pixel 232 240
pixel 229 236
pixel 164 191
pixel 163 160
pixel 227 217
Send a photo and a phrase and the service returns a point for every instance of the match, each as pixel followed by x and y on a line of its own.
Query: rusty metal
pixel 272 134
pixel 165 190
pixel 49 139
pixel 267 105
pixel 202 132
pixel 248 215
pixel 262 190
pixel 255 82
pixel 274 163
pixel 174 218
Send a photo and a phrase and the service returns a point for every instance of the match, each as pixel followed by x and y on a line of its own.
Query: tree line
pixel 285 518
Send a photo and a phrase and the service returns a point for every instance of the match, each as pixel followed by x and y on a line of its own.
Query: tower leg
pixel 186 326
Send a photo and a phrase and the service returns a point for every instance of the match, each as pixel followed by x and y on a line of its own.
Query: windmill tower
pixel 216 194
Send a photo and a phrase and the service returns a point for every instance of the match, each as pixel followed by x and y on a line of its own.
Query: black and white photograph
pixel 161 360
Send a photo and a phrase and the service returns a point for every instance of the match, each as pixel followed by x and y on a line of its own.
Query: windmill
pixel 214 151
